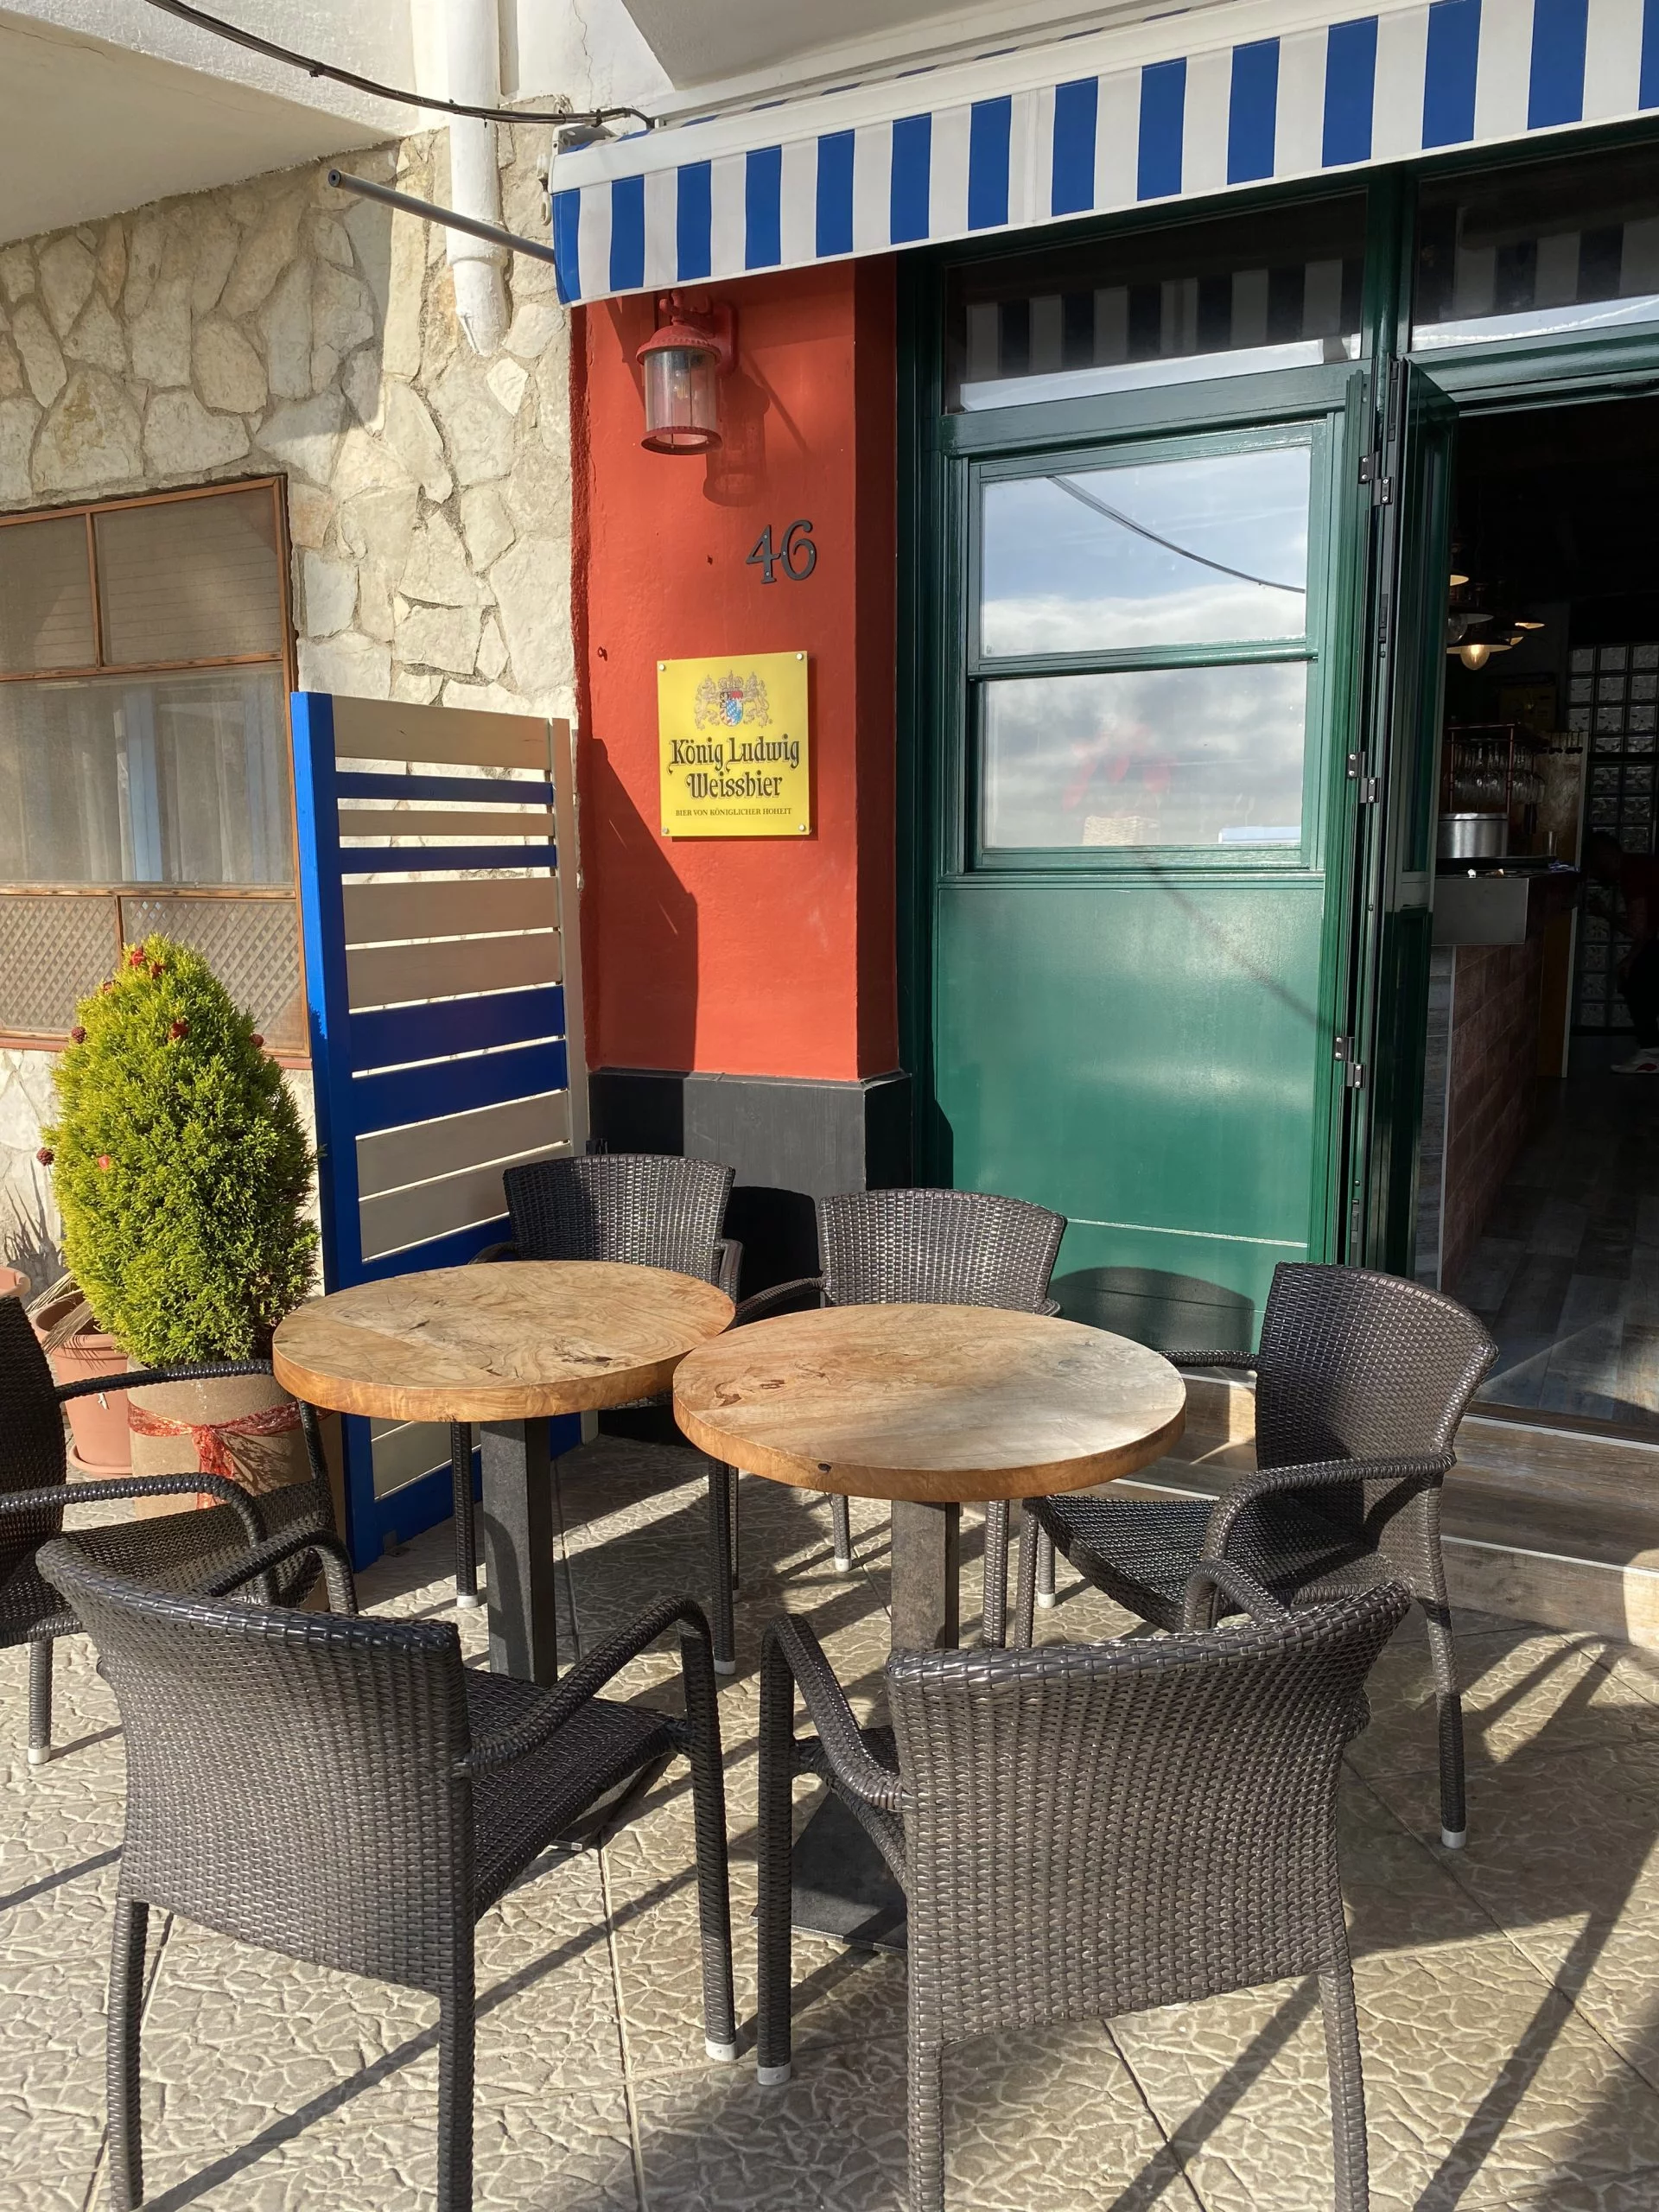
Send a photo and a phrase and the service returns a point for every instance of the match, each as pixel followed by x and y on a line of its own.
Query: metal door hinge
pixel 1353 1072
pixel 1370 471
pixel 1368 785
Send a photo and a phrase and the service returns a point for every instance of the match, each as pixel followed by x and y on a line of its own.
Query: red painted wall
pixel 742 955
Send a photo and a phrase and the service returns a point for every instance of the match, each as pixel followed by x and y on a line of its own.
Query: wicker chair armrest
pixel 1270 1481
pixel 138 1378
pixel 113 1486
pixel 506 1249
pixel 336 1566
pixel 729 1266
pixel 842 1742
pixel 585 1681
pixel 1245 1360
pixel 779 1299
pixel 1198 1610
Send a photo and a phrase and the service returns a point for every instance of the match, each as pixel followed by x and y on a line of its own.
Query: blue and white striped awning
pixel 1089 125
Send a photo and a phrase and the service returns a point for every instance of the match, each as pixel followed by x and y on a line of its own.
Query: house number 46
pixel 797 556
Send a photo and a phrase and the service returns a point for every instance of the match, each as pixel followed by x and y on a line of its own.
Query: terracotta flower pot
pixel 97 1425
pixel 243 1427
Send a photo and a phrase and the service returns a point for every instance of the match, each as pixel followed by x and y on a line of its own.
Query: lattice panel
pixel 251 944
pixel 53 950
pixel 1613 703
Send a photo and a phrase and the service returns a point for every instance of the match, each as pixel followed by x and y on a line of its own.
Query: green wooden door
pixel 1141 798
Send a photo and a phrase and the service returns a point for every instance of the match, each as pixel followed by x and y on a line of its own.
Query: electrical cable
pixel 1129 522
pixel 251 40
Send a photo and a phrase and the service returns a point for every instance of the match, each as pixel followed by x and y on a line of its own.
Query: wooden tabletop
pixel 516 1340
pixel 929 1402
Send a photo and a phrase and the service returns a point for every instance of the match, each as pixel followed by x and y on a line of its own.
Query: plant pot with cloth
pixel 180 1170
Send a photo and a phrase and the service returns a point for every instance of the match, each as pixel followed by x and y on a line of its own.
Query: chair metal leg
pixel 773 1838
pixel 708 1820
pixel 840 1522
pixel 121 2054
pixel 996 1574
pixel 1454 1813
pixel 1044 1569
pixel 39 1700
pixel 1025 1599
pixel 455 2040
pixel 461 1477
pixel 1347 2089
pixel 926 2126
pixel 722 1480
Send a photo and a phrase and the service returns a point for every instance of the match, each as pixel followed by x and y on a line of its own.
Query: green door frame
pixel 1379 975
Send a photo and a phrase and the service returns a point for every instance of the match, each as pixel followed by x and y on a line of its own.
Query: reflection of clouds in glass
pixel 1155 757
pixel 1057 624
pixel 1044 543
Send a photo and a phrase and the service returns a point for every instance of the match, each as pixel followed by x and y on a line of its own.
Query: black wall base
pixel 791 1141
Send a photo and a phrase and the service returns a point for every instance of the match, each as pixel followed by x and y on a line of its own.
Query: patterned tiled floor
pixel 1509 1996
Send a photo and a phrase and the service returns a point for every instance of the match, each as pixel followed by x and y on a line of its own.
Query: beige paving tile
pixel 1564 1855
pixel 1480 2081
pixel 1629 2193
pixel 714 2138
pixel 1051 2116
pixel 267 2081
pixel 1400 1894
pixel 1522 1690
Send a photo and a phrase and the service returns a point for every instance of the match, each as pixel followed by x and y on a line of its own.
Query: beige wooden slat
pixel 395 729
pixel 378 913
pixel 405 1451
pixel 393 974
pixel 440 823
pixel 391 1158
pixel 410 1216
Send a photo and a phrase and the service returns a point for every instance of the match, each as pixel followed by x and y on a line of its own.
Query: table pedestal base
pixel 842 1886
pixel 519 1550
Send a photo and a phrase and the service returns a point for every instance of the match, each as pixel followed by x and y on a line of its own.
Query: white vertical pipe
pixel 475 54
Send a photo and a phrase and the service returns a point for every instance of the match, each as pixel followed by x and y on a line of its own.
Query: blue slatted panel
pixel 396 1074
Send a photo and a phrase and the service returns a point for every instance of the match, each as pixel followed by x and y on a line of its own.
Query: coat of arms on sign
pixel 731 702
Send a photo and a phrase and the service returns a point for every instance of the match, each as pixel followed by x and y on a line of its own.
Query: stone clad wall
pixel 280 327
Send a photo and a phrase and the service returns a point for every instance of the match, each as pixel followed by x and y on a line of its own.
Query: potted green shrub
pixel 181 1169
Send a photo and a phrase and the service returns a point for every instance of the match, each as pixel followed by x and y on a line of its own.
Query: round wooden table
pixel 508 1346
pixel 929 1405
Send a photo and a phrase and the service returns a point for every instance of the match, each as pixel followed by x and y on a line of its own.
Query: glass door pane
pixel 1162 553
pixel 1173 756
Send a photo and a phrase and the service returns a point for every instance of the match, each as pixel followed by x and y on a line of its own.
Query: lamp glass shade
pixel 1474 655
pixel 682 399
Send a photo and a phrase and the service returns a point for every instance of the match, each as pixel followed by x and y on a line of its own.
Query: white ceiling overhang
pixel 90 126
pixel 1172 108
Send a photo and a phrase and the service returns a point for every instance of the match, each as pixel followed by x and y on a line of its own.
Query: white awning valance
pixel 1090 125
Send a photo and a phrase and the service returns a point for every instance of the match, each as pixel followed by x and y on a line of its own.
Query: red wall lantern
pixel 683 359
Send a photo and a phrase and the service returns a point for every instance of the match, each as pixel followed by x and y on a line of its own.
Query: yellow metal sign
pixel 733 733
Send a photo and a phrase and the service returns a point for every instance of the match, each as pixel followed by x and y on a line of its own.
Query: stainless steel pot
pixel 1474 836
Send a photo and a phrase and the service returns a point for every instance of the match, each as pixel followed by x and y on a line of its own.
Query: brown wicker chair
pixel 179 1551
pixel 650 1209
pixel 1086 1830
pixel 1361 1380
pixel 922 1247
pixel 343 1791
